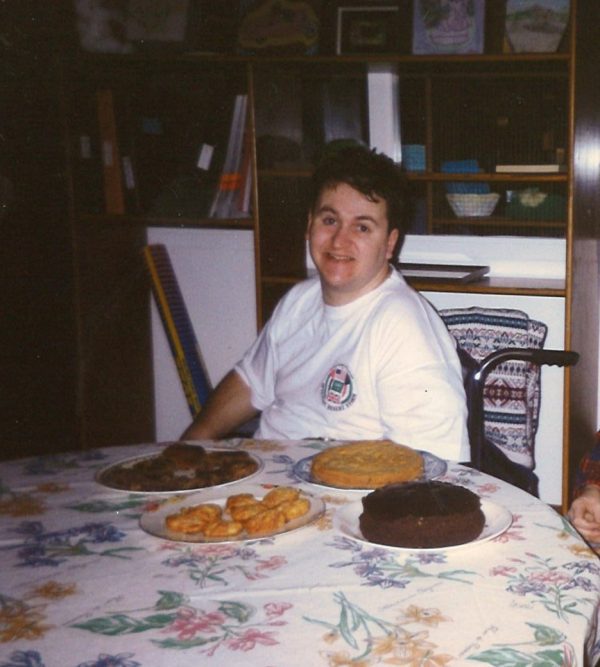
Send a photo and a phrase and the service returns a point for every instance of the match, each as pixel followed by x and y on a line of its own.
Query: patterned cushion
pixel 512 391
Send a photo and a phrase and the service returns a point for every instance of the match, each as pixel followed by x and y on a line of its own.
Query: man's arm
pixel 228 407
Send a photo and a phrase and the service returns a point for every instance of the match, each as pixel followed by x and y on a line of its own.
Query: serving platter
pixel 497 521
pixel 103 476
pixel 153 521
pixel 433 467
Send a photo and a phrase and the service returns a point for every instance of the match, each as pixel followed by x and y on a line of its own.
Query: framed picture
pixel 280 27
pixel 448 26
pixel 367 29
pixel 125 26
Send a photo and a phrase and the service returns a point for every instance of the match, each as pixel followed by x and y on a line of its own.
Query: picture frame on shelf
pixel 448 26
pixel 535 27
pixel 132 26
pixel 279 27
pixel 368 28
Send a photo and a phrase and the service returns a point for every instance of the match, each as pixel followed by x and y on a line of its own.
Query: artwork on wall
pixel 279 26
pixel 535 25
pixel 367 28
pixel 124 26
pixel 448 26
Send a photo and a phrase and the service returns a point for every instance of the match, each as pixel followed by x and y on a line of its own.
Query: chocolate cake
pixel 423 514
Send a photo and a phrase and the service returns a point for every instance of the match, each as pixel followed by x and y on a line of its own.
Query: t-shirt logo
pixel 337 390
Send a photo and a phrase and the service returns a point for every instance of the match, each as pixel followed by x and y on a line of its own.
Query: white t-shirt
pixel 382 366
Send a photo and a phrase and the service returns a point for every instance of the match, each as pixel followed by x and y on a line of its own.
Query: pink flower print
pixel 219 550
pixel 189 623
pixel 555 578
pixel 273 609
pixel 272 563
pixel 250 639
pixel 502 571
pixel 488 487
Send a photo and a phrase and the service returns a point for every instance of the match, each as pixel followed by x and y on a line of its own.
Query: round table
pixel 84 585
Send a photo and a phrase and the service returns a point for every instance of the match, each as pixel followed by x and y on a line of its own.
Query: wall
pixel 215 272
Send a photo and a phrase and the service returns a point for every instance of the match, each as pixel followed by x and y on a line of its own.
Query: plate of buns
pixel 180 467
pixel 251 513
pixel 364 465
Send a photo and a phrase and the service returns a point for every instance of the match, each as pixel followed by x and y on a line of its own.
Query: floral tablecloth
pixel 82 585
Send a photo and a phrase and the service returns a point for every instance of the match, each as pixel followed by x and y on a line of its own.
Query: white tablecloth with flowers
pixel 83 585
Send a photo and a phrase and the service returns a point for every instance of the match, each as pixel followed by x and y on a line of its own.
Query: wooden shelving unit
pixel 457 106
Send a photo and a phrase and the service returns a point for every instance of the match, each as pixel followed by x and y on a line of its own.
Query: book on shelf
pixel 243 198
pixel 530 168
pixel 88 176
pixel 126 141
pixel 230 180
pixel 114 195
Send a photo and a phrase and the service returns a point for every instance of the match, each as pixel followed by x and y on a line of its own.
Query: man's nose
pixel 340 234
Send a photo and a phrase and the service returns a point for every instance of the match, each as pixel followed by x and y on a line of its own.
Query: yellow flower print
pixel 53 590
pixel 429 616
pixel 582 551
pixel 262 445
pixel 413 650
pixel 52 487
pixel 343 659
pixel 22 505
pixel 21 621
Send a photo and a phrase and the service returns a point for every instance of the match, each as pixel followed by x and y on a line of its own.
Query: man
pixel 354 353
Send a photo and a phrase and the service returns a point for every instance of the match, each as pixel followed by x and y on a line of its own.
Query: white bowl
pixel 471 205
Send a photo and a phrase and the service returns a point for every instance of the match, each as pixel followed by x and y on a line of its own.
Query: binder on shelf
pixel 88 175
pixel 114 196
pixel 178 326
pixel 230 181
pixel 243 199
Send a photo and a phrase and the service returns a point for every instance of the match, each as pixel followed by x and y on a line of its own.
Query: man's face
pixel 349 243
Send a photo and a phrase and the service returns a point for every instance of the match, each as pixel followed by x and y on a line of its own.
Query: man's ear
pixel 308 224
pixel 391 243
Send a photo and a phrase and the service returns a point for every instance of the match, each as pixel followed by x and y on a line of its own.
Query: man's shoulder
pixel 298 298
pixel 398 297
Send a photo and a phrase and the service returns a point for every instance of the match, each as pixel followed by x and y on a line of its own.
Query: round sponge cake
pixel 366 464
pixel 428 514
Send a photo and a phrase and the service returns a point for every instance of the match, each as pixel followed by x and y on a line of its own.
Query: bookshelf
pixel 496 108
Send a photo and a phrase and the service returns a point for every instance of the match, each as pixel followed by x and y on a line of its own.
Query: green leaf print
pixel 546 636
pixel 508 657
pixel 241 612
pixel 170 600
pixel 184 643
pixel 121 624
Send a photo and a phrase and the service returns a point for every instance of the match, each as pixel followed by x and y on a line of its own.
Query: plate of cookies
pixel 252 513
pixel 180 467
pixel 364 465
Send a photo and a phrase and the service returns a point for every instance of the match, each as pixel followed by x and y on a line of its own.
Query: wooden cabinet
pixel 467 114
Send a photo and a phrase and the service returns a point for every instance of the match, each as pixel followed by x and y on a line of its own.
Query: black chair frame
pixel 485 455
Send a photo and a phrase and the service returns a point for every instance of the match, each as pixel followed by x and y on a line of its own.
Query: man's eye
pixel 363 228
pixel 329 221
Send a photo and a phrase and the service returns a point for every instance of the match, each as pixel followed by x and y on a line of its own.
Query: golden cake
pixel 367 464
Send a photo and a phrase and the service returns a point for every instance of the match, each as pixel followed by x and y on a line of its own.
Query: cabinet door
pixel 494 150
pixel 153 138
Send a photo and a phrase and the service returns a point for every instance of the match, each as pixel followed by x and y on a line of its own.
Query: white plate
pixel 153 521
pixel 497 520
pixel 433 467
pixel 128 463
